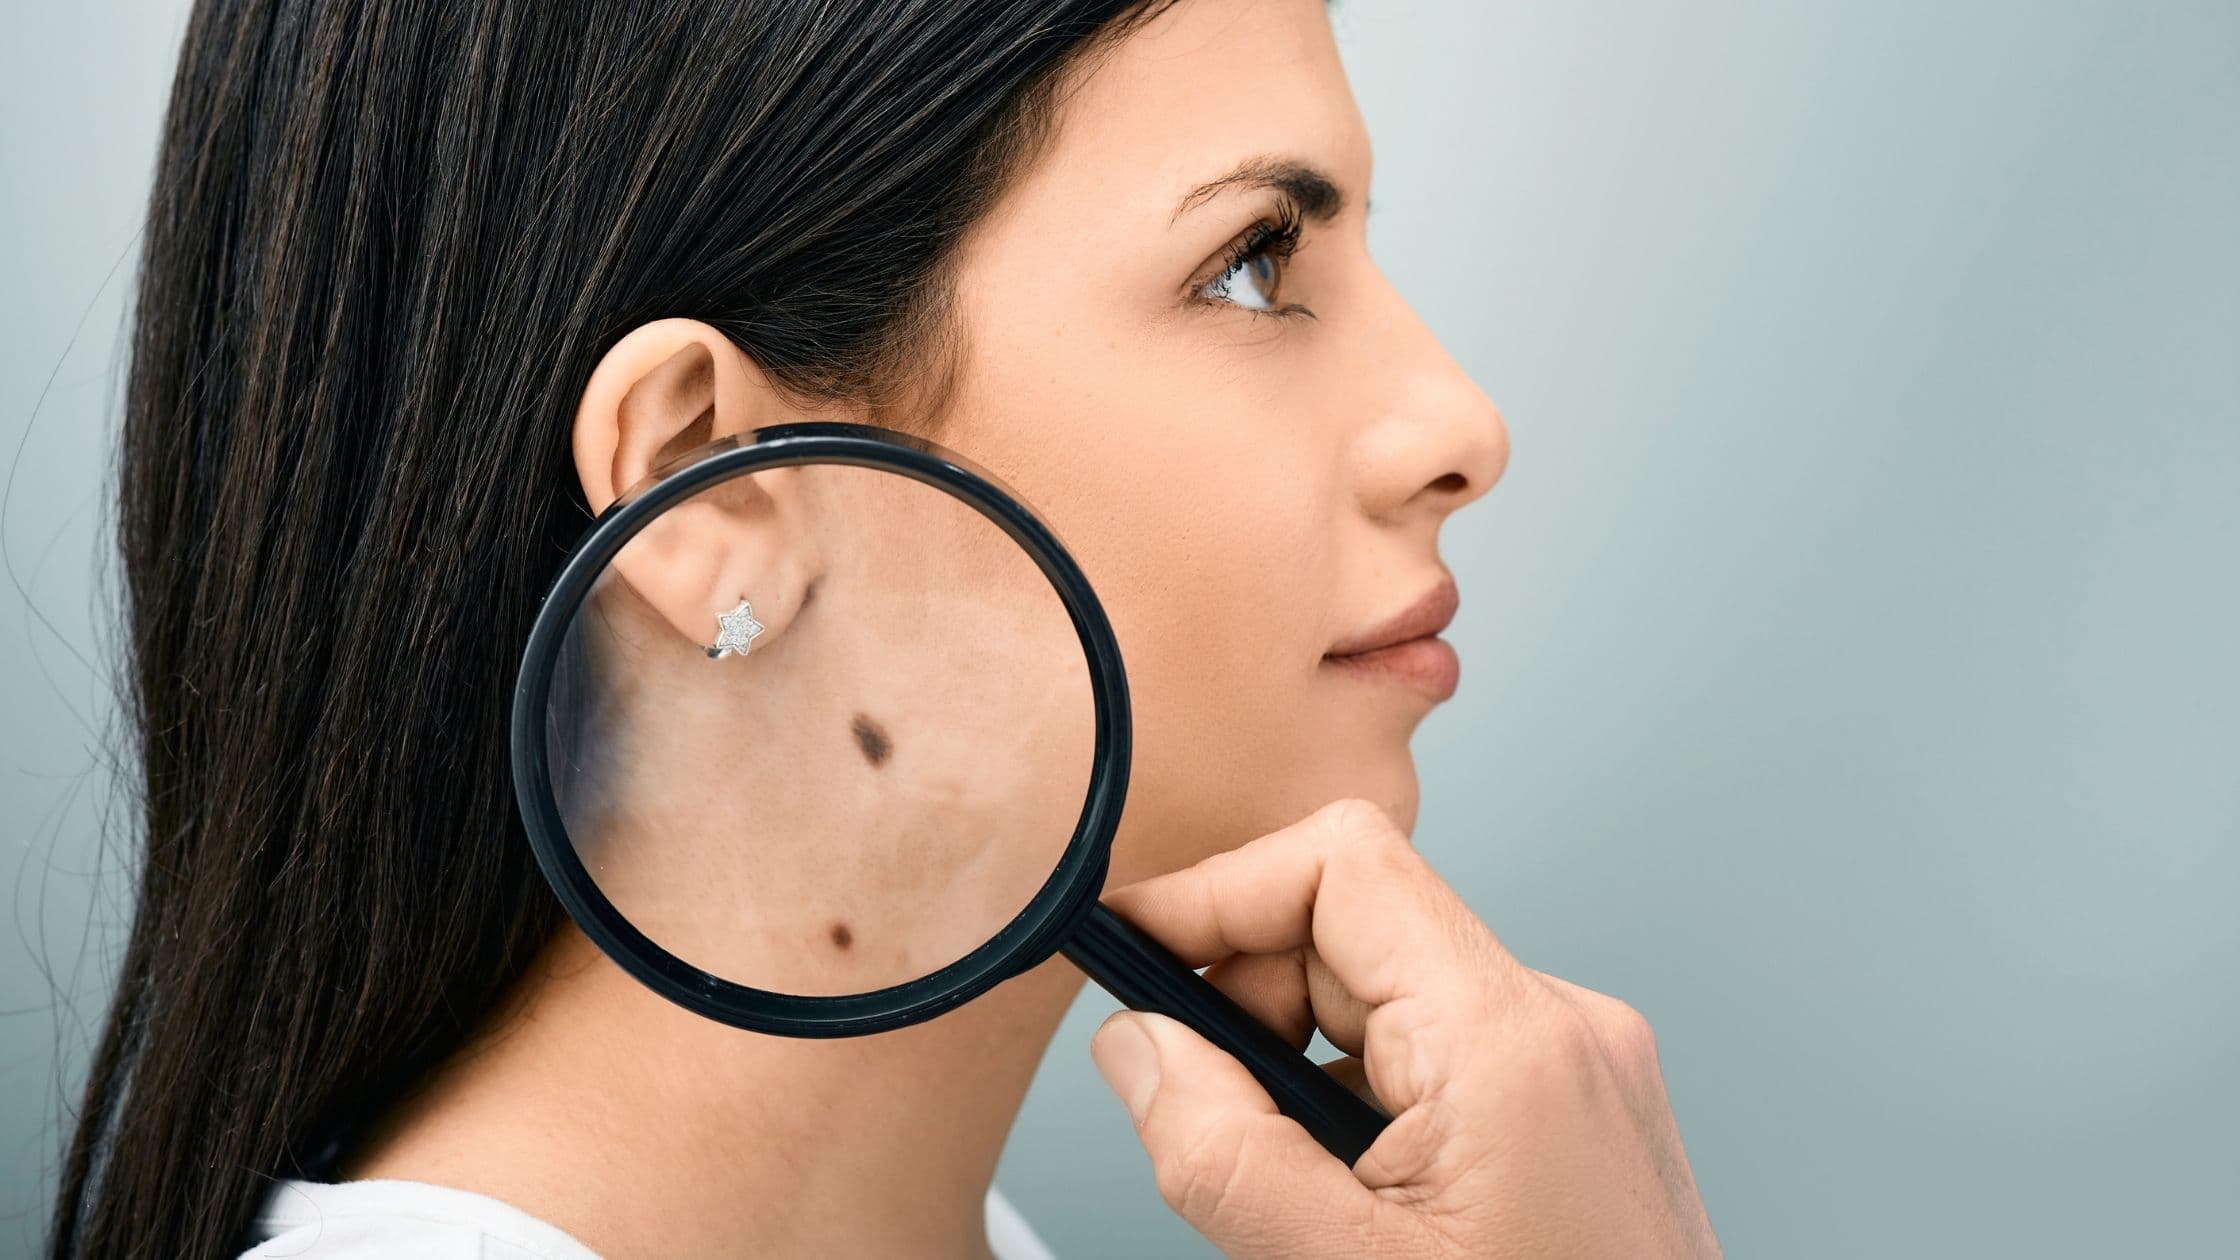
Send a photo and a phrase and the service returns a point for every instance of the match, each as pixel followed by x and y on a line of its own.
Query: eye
pixel 1253 266
pixel 1251 281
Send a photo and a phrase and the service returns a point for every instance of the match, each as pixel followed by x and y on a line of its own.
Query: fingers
pixel 1295 994
pixel 1343 880
pixel 1527 1113
pixel 1410 979
pixel 1248 1178
pixel 1272 988
pixel 1342 1017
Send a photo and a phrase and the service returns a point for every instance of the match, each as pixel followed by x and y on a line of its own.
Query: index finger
pixel 1343 879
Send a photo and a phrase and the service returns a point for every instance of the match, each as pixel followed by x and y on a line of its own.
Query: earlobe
pixel 664 390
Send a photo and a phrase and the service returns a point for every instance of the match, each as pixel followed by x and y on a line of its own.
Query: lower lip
pixel 1427 665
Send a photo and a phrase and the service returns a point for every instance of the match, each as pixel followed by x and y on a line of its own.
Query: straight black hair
pixel 388 242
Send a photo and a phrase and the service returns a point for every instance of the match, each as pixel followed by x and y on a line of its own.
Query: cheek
pixel 1227 634
pixel 1209 511
pixel 1213 549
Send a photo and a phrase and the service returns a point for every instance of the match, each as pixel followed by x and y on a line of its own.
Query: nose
pixel 1438 441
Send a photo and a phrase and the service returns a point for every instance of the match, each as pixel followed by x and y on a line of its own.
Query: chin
pixel 1205 813
pixel 1399 804
pixel 1397 791
pixel 1385 778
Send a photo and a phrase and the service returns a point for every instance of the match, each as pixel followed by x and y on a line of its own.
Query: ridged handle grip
pixel 1144 976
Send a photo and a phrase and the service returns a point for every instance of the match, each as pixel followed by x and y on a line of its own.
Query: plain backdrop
pixel 1848 656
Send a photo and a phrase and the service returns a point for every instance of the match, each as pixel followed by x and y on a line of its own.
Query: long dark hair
pixel 387 244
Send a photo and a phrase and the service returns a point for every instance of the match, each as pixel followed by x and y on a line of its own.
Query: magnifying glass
pixel 821 732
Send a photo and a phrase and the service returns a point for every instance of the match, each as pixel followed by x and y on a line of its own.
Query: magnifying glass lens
pixel 820 729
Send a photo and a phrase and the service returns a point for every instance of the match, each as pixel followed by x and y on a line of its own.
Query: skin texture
pixel 1244 489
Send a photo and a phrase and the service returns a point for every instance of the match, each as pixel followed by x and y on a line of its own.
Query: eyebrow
pixel 1317 193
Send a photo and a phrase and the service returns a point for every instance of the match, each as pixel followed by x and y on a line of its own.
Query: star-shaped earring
pixel 737 635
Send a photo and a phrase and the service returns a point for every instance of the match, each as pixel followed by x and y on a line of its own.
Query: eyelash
pixel 1278 237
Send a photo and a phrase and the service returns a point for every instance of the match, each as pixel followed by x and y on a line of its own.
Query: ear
pixel 665 389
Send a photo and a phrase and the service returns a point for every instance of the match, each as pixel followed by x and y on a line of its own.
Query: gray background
pixel 1849 653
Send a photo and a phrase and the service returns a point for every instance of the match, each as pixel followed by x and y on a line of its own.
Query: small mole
pixel 872 738
pixel 841 936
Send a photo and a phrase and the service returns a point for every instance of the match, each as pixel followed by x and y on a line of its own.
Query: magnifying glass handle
pixel 1144 976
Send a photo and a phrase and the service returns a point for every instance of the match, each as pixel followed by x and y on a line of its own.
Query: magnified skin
pixel 873 739
pixel 735 809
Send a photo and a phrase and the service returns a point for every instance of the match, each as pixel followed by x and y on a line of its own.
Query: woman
pixel 426 285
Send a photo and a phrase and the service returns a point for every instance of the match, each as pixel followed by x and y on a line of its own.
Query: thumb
pixel 1240 1172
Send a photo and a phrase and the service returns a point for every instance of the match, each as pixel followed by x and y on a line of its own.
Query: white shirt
pixel 365 1220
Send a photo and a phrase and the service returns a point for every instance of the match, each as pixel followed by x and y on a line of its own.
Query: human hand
pixel 1529 1115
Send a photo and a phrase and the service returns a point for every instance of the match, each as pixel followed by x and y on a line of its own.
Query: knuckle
pixel 1627 1030
pixel 1354 828
pixel 1354 818
pixel 1565 1042
pixel 1421 1046
pixel 1591 1039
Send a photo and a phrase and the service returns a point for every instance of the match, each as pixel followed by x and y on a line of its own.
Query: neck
pixel 643 1129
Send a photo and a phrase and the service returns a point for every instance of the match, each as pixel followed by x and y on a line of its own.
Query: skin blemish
pixel 841 936
pixel 873 739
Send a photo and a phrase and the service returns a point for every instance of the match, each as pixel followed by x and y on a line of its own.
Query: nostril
pixel 1452 483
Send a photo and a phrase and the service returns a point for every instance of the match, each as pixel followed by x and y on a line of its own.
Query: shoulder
pixel 361 1220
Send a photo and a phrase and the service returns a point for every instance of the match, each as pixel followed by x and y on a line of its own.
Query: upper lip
pixel 1427 616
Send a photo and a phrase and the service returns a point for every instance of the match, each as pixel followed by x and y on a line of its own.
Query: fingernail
pixel 1128 1062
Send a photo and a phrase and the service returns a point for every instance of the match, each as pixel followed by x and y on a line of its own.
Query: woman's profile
pixel 426 287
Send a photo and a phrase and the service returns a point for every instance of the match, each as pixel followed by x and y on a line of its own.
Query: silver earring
pixel 737 634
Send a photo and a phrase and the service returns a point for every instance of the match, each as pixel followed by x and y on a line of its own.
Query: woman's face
pixel 1250 456
pixel 1248 442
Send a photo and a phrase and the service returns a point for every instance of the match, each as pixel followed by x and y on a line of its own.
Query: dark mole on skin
pixel 872 738
pixel 841 936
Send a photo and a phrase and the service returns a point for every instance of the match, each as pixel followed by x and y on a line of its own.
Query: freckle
pixel 872 738
pixel 841 936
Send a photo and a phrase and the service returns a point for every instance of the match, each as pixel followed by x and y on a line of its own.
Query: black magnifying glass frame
pixel 1063 915
pixel 1029 937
